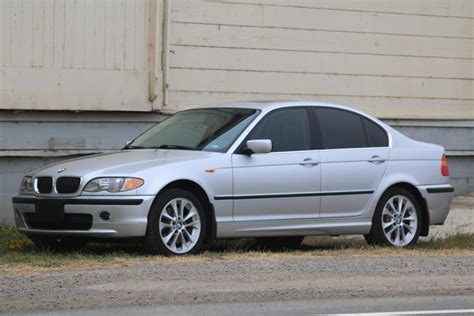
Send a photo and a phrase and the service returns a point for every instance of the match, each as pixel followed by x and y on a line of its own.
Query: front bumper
pixel 438 199
pixel 81 216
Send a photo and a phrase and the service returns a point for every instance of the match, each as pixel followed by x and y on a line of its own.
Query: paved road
pixel 435 305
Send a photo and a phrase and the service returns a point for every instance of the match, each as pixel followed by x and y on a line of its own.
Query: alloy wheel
pixel 399 220
pixel 180 225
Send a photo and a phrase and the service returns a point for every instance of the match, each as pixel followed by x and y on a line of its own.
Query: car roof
pixel 268 105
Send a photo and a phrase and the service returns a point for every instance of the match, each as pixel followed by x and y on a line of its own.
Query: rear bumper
pixel 438 199
pixel 128 216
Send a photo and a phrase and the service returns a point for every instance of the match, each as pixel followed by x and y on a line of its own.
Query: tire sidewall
pixel 153 242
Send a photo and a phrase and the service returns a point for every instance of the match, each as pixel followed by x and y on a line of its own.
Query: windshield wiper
pixel 134 147
pixel 166 146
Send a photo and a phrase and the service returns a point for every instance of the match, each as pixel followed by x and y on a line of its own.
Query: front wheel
pixel 397 220
pixel 176 224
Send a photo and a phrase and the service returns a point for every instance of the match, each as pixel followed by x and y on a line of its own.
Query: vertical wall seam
pixel 166 49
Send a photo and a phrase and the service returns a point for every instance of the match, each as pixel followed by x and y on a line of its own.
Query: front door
pixel 283 184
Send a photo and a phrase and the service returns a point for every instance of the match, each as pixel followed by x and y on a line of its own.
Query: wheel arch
pixel 203 197
pixel 425 222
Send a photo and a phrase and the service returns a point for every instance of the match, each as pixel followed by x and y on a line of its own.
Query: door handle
pixel 376 159
pixel 309 161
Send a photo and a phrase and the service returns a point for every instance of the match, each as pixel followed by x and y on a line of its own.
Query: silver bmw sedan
pixel 277 171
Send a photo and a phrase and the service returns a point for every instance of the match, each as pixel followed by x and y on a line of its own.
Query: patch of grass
pixel 457 241
pixel 18 254
pixel 11 240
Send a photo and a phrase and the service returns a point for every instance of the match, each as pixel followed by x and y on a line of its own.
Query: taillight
pixel 444 166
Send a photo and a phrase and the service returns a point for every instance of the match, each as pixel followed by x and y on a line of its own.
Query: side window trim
pixel 317 140
pixel 366 134
pixel 315 129
pixel 238 150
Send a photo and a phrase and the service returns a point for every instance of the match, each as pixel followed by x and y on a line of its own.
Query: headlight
pixel 27 186
pixel 113 184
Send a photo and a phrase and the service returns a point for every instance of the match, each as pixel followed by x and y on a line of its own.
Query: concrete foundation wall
pixel 29 140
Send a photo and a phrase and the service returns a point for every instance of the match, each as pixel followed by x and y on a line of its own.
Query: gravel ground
pixel 219 281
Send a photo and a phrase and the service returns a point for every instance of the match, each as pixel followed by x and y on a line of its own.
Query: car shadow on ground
pixel 229 246
pixel 218 248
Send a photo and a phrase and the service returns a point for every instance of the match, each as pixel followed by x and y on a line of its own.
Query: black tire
pixel 153 242
pixel 57 243
pixel 377 236
pixel 277 243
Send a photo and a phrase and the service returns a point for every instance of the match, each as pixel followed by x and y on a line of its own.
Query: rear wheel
pixel 55 243
pixel 176 224
pixel 397 220
pixel 288 242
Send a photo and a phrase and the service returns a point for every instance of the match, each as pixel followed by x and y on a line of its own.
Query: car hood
pixel 122 163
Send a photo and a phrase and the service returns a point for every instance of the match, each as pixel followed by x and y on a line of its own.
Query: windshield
pixel 213 129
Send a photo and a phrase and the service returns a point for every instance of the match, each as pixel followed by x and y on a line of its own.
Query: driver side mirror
pixel 257 146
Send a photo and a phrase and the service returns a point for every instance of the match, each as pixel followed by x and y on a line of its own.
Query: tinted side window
pixel 375 134
pixel 287 129
pixel 341 129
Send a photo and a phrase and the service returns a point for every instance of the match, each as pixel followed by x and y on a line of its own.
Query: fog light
pixel 105 215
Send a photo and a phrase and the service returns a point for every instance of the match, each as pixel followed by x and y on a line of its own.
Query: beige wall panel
pixel 460 8
pixel 295 83
pixel 48 33
pixel 110 38
pixel 89 31
pixel 37 36
pixel 319 19
pixel 140 36
pixel 77 34
pixel 410 60
pixel 401 108
pixel 16 34
pixel 100 35
pixel 27 33
pixel 309 62
pixel 303 40
pixel 69 33
pixel 80 44
pixel 50 39
pixel 59 33
pixel 129 53
pixel 73 89
pixel 119 35
pixel 5 24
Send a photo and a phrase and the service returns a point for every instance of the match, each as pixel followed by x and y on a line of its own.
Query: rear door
pixel 353 161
